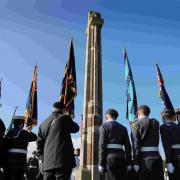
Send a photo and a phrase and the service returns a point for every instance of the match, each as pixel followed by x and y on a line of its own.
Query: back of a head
pixel 58 107
pixel 18 120
pixel 168 114
pixel 144 109
pixel 113 113
pixel 34 153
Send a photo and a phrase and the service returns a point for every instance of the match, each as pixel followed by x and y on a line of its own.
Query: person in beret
pixel 146 156
pixel 114 148
pixel 170 135
pixel 17 142
pixel 54 144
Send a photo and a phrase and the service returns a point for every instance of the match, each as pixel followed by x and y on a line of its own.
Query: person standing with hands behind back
pixel 170 135
pixel 114 148
pixel 147 159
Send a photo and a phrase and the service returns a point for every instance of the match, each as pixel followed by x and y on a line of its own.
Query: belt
pixel 33 167
pixel 22 151
pixel 149 149
pixel 114 146
pixel 175 146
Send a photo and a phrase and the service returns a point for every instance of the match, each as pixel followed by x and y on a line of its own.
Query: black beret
pixel 58 105
pixel 168 111
pixel 145 107
pixel 112 112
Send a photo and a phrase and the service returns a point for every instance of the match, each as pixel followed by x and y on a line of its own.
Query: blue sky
pixel 38 31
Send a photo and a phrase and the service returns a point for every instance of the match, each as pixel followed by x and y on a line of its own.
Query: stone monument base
pixel 82 174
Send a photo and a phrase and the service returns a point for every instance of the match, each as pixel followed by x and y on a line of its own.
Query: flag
pixel 131 109
pixel 162 91
pixel 69 86
pixel 31 105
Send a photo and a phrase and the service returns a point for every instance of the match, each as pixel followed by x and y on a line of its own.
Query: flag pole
pixel 12 121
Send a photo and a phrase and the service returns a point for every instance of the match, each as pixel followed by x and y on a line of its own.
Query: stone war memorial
pixel 84 101
pixel 92 108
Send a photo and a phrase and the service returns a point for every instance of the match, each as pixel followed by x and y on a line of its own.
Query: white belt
pixel 176 146
pixel 22 151
pixel 149 149
pixel 114 146
pixel 32 167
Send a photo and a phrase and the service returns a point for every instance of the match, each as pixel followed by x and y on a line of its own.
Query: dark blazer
pixel 145 134
pixel 18 139
pixel 170 135
pixel 113 133
pixel 54 144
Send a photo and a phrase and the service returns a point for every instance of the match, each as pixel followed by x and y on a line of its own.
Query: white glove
pixel 129 168
pixel 136 168
pixel 170 168
pixel 101 169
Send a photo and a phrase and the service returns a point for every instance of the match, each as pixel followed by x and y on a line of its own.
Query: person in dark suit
pixel 17 140
pixel 147 159
pixel 114 148
pixel 32 168
pixel 170 135
pixel 54 144
pixel 2 131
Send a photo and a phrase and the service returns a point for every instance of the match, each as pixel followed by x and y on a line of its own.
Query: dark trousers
pixel 40 177
pixel 32 174
pixel 115 168
pixel 1 175
pixel 151 169
pixel 132 175
pixel 176 174
pixel 57 174
pixel 14 173
pixel 29 178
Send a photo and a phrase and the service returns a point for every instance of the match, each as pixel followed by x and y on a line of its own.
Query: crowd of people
pixel 119 159
pixel 115 151
pixel 33 172
pixel 55 152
